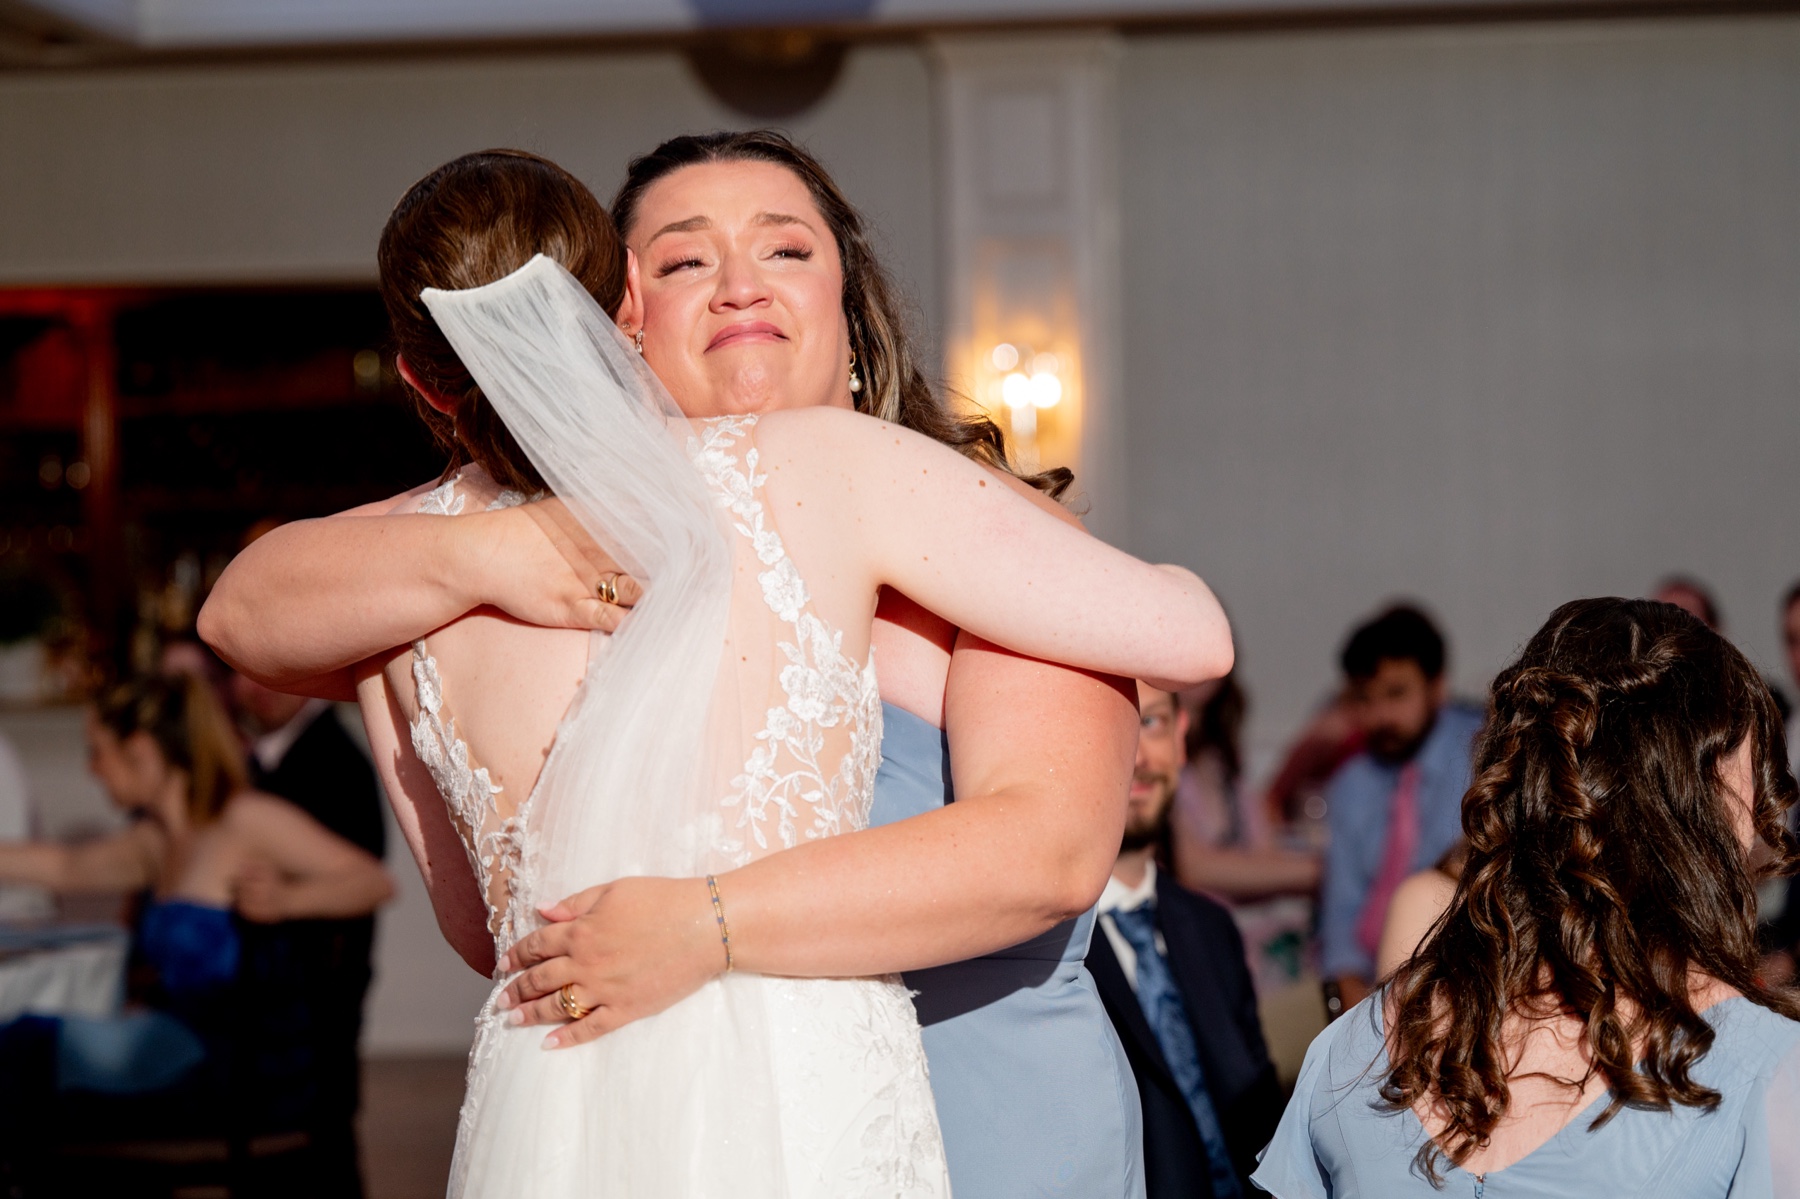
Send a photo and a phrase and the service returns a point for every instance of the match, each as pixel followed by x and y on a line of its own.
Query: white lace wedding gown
pixel 755 1086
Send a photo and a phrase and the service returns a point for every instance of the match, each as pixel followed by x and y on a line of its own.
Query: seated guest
pixel 1222 844
pixel 300 752
pixel 1587 1019
pixel 1170 968
pixel 1223 841
pixel 1396 807
pixel 207 849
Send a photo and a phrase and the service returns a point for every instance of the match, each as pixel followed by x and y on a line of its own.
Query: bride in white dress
pixel 733 715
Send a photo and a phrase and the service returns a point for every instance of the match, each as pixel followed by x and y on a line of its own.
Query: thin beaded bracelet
pixel 712 886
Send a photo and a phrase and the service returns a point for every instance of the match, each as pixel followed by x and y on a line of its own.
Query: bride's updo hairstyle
pixel 472 221
pixel 896 388
pixel 1605 864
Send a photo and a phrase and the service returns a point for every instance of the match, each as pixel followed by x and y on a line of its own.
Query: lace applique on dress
pixel 791 789
pixel 444 499
pixel 493 839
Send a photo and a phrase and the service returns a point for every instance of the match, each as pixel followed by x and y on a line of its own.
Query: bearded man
pixel 1171 971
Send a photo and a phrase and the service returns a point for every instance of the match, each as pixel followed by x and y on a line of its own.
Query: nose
pixel 740 283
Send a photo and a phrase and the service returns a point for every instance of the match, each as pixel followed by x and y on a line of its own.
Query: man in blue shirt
pixel 1396 807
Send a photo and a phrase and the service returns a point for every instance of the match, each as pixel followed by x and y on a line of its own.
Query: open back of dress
pixel 722 722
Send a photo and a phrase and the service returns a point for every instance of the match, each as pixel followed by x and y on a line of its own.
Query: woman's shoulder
pixel 1349 1055
pixel 1750 1041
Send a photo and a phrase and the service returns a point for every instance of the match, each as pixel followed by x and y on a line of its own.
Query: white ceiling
pixel 197 24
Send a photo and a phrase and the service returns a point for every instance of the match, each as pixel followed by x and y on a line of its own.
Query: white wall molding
pixel 1028 134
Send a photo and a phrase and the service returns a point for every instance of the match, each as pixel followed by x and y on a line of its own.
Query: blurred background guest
pixel 1170 968
pixel 1249 857
pixel 1295 796
pixel 18 901
pixel 213 859
pixel 1396 807
pixel 301 752
pixel 1778 900
pixel 1693 597
pixel 1790 641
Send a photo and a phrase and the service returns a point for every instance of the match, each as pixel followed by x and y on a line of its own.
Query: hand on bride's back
pixel 630 948
pixel 537 564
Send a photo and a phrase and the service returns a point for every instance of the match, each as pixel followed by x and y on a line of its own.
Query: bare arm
pixel 302 870
pixel 128 860
pixel 425 825
pixel 1418 902
pixel 927 521
pixel 306 602
pixel 1247 873
pixel 1041 761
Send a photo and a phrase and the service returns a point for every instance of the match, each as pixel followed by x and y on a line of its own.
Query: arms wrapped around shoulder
pixel 306 602
pixel 934 525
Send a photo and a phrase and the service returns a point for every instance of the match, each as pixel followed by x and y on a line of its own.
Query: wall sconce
pixel 1029 383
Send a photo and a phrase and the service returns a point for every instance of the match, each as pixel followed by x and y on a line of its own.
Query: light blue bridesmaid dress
pixel 1336 1141
pixel 1033 1090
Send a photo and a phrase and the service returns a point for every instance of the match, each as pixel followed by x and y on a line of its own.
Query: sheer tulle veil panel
pixel 681 1103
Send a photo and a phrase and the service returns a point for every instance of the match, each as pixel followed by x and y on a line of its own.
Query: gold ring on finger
pixel 609 589
pixel 572 1008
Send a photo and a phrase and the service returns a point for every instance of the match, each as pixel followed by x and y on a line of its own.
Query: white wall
pixel 1496 317
pixel 286 172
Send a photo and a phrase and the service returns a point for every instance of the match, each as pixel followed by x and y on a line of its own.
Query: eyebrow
pixel 694 224
pixel 782 218
pixel 690 225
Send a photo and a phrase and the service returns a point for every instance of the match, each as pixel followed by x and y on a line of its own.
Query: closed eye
pixel 796 252
pixel 669 268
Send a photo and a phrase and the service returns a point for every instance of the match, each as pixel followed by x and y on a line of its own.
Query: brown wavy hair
pixel 476 219
pixel 894 386
pixel 1603 867
pixel 191 730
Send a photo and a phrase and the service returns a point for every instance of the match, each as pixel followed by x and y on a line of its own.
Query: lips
pixel 745 333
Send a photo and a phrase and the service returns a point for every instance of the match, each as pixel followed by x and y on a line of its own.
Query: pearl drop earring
pixel 855 379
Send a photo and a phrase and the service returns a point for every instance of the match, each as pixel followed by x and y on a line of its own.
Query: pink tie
pixel 1396 858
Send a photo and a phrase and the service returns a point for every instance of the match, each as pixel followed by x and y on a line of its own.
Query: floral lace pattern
pixel 790 788
pixel 495 842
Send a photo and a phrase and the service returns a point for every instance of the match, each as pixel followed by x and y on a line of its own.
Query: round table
pixel 61 970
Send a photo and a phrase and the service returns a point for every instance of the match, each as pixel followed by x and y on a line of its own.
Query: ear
pixel 438 402
pixel 630 315
pixel 1440 690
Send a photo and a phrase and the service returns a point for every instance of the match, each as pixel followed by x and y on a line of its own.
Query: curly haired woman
pixel 1585 1018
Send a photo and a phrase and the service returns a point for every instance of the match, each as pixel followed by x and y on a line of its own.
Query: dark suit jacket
pixel 1206 956
pixel 329 776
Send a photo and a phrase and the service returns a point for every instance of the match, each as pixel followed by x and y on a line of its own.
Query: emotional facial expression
pixel 742 291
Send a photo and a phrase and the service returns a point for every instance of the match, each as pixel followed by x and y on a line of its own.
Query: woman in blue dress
pixel 1586 1018
pixel 214 862
pixel 986 901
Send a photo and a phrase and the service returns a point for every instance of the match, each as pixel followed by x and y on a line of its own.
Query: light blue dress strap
pixel 1033 1090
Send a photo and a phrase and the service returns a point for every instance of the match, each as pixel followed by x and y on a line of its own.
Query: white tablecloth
pixel 85 977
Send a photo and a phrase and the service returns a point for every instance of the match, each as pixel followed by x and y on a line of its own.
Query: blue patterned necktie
pixel 1168 1018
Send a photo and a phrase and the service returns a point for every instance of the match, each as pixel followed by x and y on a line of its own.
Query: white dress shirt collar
pixel 1120 898
pixel 270 748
